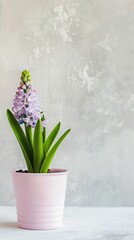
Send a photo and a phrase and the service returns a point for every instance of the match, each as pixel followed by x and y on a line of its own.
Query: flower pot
pixel 40 198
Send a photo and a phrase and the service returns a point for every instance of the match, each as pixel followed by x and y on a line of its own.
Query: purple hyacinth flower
pixel 26 106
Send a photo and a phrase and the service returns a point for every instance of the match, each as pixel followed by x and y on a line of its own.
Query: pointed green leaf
pixel 51 137
pixel 38 152
pixel 20 136
pixel 51 154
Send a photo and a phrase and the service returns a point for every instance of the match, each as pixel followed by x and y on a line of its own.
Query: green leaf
pixel 28 162
pixel 20 136
pixel 38 152
pixel 29 135
pixel 44 134
pixel 51 154
pixel 51 137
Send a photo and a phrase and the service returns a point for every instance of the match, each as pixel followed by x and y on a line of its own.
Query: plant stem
pixel 38 152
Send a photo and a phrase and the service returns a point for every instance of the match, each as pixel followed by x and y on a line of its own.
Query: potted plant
pixel 39 190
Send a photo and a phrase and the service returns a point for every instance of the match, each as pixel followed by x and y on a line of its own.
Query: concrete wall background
pixel 81 57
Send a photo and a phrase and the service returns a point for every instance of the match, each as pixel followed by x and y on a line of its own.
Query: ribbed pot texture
pixel 40 198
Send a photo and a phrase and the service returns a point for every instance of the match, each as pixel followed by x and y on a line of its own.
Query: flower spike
pixel 26 106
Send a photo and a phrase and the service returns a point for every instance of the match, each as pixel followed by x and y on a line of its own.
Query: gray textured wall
pixel 81 56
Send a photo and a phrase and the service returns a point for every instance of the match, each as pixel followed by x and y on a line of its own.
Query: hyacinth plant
pixel 37 148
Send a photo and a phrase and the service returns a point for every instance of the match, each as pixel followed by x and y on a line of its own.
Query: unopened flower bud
pixel 25 76
pixel 23 87
pixel 28 83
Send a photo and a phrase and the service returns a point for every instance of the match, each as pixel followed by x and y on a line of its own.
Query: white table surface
pixel 80 223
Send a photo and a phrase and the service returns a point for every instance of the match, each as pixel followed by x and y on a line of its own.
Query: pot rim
pixel 55 171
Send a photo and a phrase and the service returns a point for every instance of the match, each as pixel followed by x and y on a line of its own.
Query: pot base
pixel 40 218
pixel 40 227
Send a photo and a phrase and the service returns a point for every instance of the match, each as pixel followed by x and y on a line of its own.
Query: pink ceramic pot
pixel 40 198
